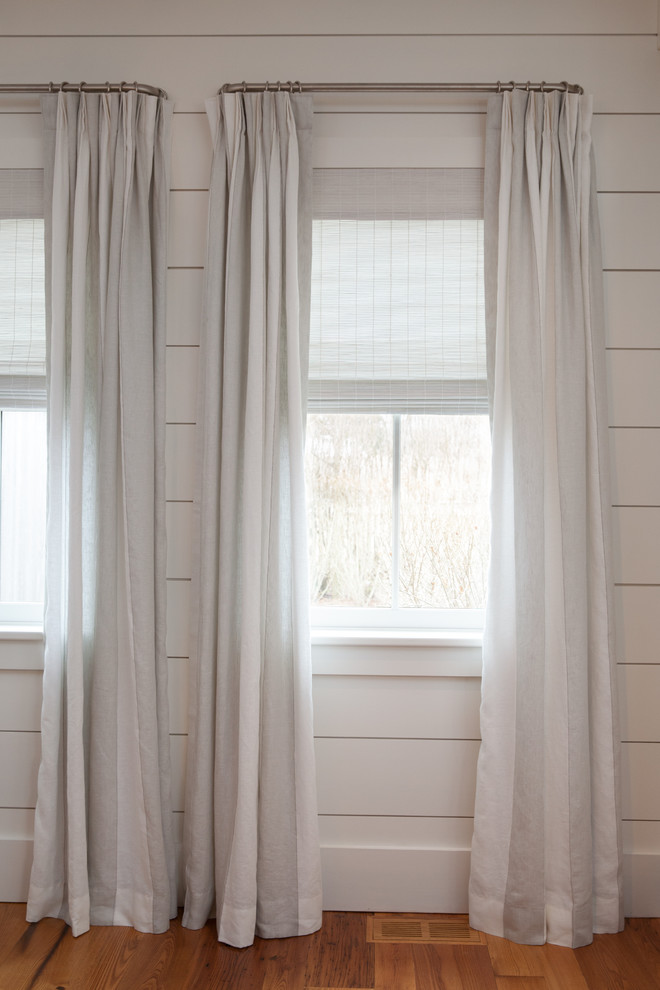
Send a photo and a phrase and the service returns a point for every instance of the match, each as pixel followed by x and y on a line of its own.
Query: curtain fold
pixel 546 858
pixel 250 842
pixel 103 847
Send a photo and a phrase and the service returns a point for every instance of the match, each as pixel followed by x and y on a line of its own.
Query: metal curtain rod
pixel 298 87
pixel 83 87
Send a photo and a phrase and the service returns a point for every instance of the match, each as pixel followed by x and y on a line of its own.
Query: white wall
pixel 396 749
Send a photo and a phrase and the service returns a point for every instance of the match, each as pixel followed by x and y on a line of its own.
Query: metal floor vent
pixel 453 930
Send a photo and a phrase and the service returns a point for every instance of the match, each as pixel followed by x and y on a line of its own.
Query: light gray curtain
pixel 250 842
pixel 546 859
pixel 103 850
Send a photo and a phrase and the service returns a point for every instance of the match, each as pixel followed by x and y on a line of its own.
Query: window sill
pixel 396 652
pixel 9 631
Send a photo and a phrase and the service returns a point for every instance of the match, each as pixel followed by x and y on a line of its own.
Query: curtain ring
pixel 62 85
pixel 499 86
pixel 543 86
pixel 80 87
pixel 50 87
pixel 266 87
pixel 528 85
pixel 565 85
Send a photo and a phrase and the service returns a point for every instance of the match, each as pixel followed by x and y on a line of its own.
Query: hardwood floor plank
pixel 558 965
pixel 453 967
pixel 625 961
pixel 285 963
pixel 339 955
pixel 26 948
pixel 646 932
pixel 394 967
pixel 520 983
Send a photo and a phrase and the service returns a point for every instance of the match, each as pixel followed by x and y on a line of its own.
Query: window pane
pixel 444 515
pixel 23 501
pixel 349 490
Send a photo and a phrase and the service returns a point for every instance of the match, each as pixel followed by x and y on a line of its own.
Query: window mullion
pixel 396 503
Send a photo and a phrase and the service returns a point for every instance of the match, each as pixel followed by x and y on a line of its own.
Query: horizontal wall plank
pixel 627 149
pixel 376 832
pixel 187 229
pixel 640 781
pixel 179 542
pixel 621 72
pixel 191 151
pixel 20 700
pixel 178 618
pixel 637 626
pixel 641 837
pixel 16 823
pixel 181 390
pixel 180 439
pixel 396 777
pixel 20 753
pixel 637 545
pixel 635 467
pixel 639 702
pixel 395 879
pixel 178 749
pixel 631 301
pixel 21 141
pixel 629 225
pixel 431 708
pixel 21 653
pixel 633 378
pixel 289 16
pixel 184 305
pixel 178 694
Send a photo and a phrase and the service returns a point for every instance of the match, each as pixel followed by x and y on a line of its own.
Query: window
pixel 398 441
pixel 22 397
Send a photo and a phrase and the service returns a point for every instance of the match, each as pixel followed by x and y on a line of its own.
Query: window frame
pixel 22 620
pixel 337 627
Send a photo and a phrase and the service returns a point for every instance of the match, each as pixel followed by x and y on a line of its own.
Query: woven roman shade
pixel 397 312
pixel 22 304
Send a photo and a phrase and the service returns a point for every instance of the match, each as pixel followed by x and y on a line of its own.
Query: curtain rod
pixel 298 87
pixel 83 87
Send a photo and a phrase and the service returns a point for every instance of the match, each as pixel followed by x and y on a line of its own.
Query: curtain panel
pixel 103 849
pixel 546 857
pixel 251 847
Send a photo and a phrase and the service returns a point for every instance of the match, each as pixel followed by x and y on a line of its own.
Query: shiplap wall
pixel 396 753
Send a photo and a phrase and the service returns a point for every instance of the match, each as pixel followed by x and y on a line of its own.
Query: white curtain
pixel 103 850
pixel 546 859
pixel 250 843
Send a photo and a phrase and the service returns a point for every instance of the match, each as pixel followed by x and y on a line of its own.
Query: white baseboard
pixel 428 880
pixel 383 879
pixel 15 866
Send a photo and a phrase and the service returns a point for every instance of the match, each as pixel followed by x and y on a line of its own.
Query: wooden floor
pixel 45 956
